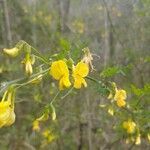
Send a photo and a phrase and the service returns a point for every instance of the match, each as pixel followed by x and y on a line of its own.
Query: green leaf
pixel 136 91
pixel 110 72
pixel 102 90
pixel 64 44
pixel 141 91
pixel 147 59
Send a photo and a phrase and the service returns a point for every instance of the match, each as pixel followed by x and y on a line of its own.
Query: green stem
pixel 139 100
pixel 92 79
pixel 130 112
pixel 70 90
pixel 52 101
pixel 43 59
pixel 31 79
pixel 10 83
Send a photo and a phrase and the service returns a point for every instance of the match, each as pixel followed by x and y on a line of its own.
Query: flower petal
pixel 120 94
pixel 121 103
pixel 81 69
pixel 58 69
pixel 64 82
pixel 79 81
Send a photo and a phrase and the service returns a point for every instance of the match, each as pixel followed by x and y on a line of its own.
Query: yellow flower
pixel 13 52
pixel 28 67
pixel 148 137
pixel 53 112
pixel 130 139
pixel 129 126
pixel 138 139
pixel 120 97
pixel 28 62
pixel 120 94
pixel 111 111
pixel 48 134
pixel 59 71
pixel 121 103
pixel 50 138
pixel 7 115
pixel 36 125
pixel 79 72
pixel 110 96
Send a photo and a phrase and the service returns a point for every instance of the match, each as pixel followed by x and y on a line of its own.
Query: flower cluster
pixel 7 115
pixel 60 71
pixel 129 126
pixel 119 96
pixel 67 74
pixel 28 62
pixel 134 133
pixel 48 135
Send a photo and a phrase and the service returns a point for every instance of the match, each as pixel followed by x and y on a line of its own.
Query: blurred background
pixel 118 34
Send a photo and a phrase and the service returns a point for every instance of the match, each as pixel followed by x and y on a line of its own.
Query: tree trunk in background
pixel 107 46
pixel 109 38
pixel 112 49
pixel 89 121
pixel 4 40
pixel 65 13
pixel 7 22
pixel 80 145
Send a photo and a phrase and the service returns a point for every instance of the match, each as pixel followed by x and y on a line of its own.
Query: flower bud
pixel 28 62
pixel 28 67
pixel 13 52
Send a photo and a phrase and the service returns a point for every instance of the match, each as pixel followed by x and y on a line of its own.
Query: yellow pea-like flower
pixel 120 97
pixel 80 71
pixel 138 139
pixel 130 126
pixel 36 125
pixel 13 52
pixel 120 94
pixel 49 135
pixel 28 62
pixel 110 96
pixel 60 71
pixel 7 115
pixel 148 137
pixel 121 103
pixel 28 67
pixel 111 111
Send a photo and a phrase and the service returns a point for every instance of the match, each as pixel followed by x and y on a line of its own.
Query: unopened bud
pixel 13 52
